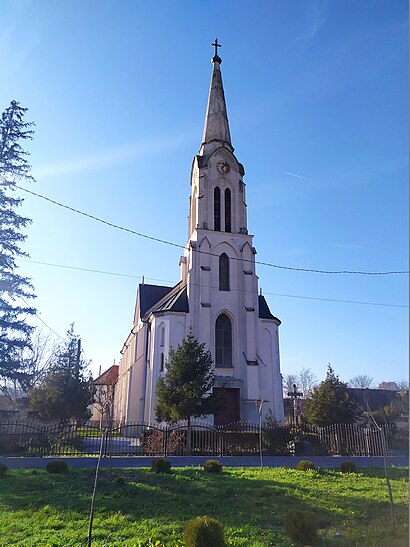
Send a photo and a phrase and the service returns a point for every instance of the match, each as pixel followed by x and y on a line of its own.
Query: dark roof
pixel 107 378
pixel 376 398
pixel 264 311
pixel 150 295
pixel 177 301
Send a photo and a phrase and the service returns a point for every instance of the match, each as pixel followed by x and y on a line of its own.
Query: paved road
pixel 228 461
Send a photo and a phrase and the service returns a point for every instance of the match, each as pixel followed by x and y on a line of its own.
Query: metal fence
pixel 139 439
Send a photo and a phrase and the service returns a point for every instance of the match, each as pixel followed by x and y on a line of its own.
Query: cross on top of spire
pixel 216 58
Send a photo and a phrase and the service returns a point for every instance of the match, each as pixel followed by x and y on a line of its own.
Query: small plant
pixel 212 466
pixel 347 467
pixel 301 527
pixel 120 481
pixel 161 465
pixel 57 466
pixel 204 532
pixel 3 469
pixel 305 465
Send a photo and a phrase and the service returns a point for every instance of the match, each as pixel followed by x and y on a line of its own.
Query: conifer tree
pixel 14 288
pixel 330 403
pixel 66 391
pixel 185 391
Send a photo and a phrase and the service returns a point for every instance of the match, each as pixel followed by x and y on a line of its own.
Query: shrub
pixel 212 466
pixel 161 465
pixel 57 466
pixel 120 481
pixel 347 467
pixel 305 465
pixel 301 526
pixel 204 532
pixel 3 469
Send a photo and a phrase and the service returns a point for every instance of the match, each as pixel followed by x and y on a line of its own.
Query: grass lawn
pixel 147 510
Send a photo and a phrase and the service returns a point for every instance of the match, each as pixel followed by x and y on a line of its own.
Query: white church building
pixel 217 296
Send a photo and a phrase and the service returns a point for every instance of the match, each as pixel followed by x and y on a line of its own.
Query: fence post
pixel 165 441
pixel 220 441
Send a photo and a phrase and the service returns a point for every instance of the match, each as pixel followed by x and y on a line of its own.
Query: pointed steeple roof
pixel 216 126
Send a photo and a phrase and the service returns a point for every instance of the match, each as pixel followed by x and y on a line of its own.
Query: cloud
pixel 112 156
pixel 294 175
pixel 317 17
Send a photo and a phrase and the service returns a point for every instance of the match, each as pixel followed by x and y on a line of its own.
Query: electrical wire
pixel 165 242
pixel 216 288
pixel 40 319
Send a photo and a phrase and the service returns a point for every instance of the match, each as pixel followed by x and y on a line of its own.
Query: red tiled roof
pixel 107 378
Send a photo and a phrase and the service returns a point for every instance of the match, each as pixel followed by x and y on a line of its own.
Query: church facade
pixel 217 296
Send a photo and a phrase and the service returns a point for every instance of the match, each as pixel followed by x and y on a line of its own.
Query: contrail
pixel 297 176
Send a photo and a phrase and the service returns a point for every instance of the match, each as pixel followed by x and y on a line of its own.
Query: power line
pixel 212 287
pixel 40 319
pixel 337 300
pixel 165 242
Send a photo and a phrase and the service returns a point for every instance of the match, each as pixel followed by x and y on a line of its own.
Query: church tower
pixel 217 296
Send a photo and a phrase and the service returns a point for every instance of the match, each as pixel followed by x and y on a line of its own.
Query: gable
pixel 149 295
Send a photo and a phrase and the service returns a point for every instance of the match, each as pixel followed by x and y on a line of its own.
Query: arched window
pixel 227 210
pixel 223 341
pixel 217 209
pixel 161 363
pixel 224 272
pixel 162 339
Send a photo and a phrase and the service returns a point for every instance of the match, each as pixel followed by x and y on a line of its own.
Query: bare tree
pixel 307 381
pixel 35 362
pixel 104 401
pixel 361 381
pixel 403 384
pixel 288 381
pixel 39 358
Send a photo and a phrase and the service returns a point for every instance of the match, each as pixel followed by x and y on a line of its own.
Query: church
pixel 217 296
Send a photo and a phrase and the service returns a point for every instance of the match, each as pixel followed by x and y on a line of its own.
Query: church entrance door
pixel 231 412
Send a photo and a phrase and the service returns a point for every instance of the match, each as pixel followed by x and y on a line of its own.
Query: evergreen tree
pixel 14 289
pixel 66 391
pixel 186 389
pixel 330 403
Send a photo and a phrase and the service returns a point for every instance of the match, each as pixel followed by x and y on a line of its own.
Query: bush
pixel 161 465
pixel 347 467
pixel 120 481
pixel 212 466
pixel 301 526
pixel 3 469
pixel 305 465
pixel 204 532
pixel 57 466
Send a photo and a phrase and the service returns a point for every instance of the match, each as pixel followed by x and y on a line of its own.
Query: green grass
pixel 148 510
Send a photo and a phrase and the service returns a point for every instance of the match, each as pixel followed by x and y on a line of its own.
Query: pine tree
pixel 186 389
pixel 66 391
pixel 330 403
pixel 14 288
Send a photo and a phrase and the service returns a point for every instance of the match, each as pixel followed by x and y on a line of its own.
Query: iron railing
pixel 201 438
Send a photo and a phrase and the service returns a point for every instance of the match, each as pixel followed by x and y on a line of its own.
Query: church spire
pixel 216 127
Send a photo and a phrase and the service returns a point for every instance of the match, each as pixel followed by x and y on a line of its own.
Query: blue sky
pixel 317 102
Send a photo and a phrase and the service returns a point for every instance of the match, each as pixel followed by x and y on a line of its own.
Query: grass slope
pixel 147 510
